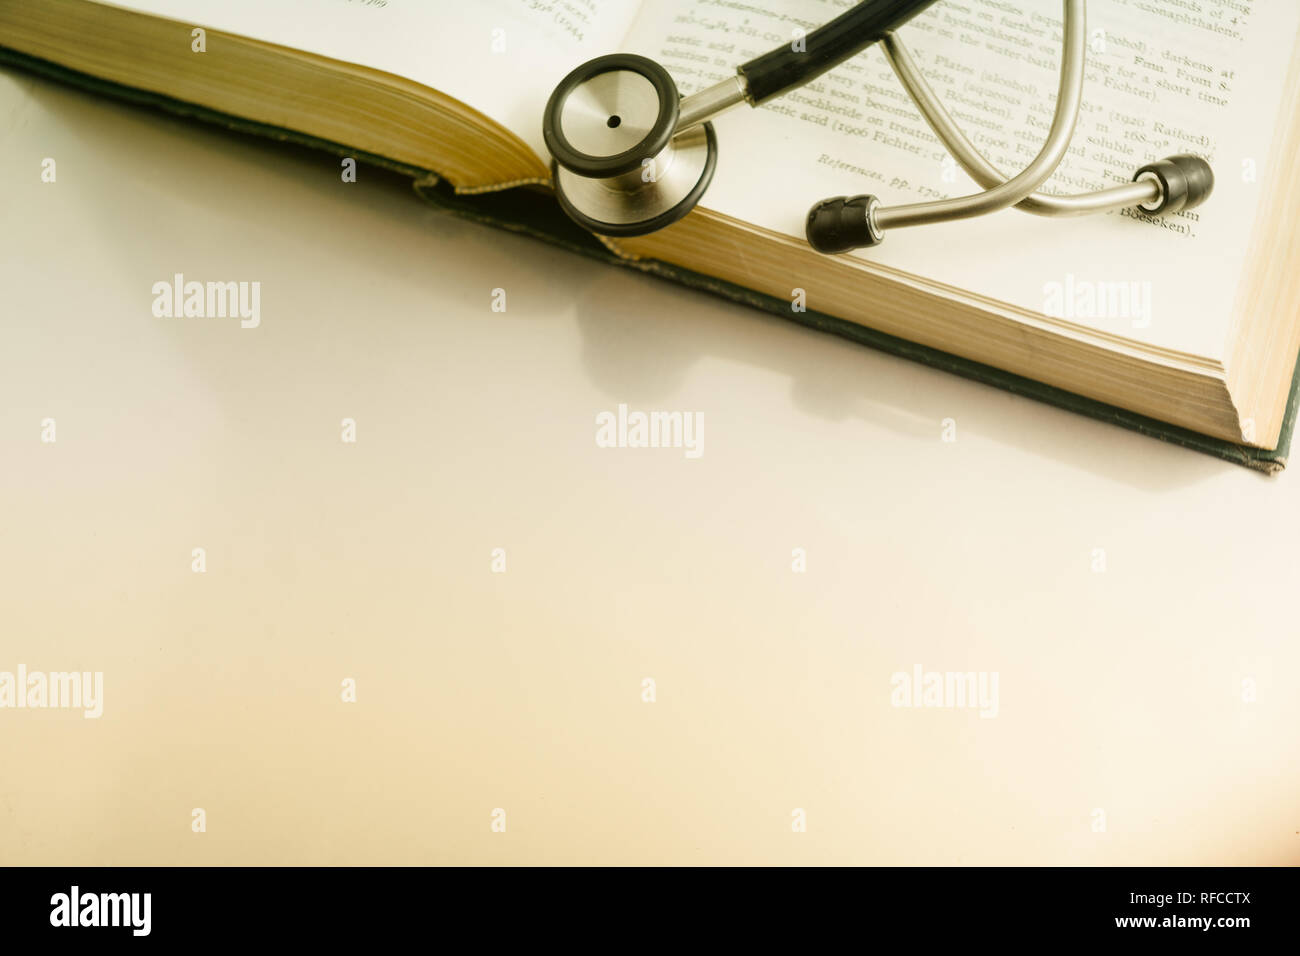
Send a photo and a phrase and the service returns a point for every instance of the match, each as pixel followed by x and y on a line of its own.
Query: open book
pixel 1192 320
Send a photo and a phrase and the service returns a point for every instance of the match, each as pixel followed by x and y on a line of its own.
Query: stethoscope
pixel 632 156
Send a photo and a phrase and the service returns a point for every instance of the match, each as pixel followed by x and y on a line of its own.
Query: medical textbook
pixel 1186 328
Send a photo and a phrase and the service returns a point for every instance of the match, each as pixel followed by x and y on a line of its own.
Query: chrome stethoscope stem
pixel 712 101
pixel 1009 192
pixel 1143 192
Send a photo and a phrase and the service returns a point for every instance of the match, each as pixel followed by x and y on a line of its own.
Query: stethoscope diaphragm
pixel 621 167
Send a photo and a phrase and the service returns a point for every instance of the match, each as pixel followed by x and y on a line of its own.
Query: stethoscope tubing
pixel 792 65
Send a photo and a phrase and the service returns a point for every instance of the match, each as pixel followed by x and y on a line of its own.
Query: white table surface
pixel 1119 691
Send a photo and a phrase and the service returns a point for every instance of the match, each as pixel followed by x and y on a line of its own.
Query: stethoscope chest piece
pixel 621 168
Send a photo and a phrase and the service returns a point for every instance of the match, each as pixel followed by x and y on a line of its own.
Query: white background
pixel 1119 690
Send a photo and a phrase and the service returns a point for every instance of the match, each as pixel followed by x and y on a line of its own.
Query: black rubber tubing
pixel 795 63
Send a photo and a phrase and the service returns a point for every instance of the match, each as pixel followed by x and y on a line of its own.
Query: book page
pixel 1163 77
pixel 501 57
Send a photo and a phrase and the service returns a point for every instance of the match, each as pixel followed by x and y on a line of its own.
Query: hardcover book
pixel 1186 328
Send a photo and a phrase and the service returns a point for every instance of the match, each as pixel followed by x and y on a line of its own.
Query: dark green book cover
pixel 537 214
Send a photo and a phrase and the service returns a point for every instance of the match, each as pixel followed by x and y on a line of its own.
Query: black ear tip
pixel 1193 165
pixel 841 224
pixel 1185 180
pixel 1199 176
